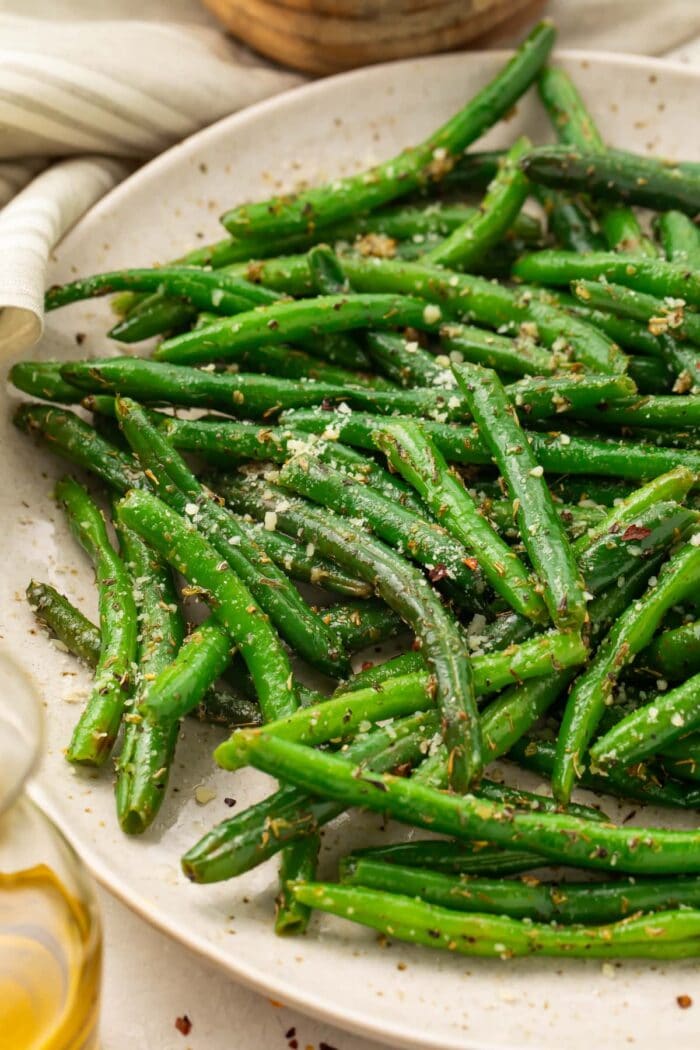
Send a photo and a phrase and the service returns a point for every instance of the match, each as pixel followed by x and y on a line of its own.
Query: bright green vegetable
pixel 98 725
pixel 415 457
pixel 567 902
pixel 542 532
pixel 317 208
pixel 504 198
pixel 615 176
pixel 632 633
pixel 236 610
pixel 148 747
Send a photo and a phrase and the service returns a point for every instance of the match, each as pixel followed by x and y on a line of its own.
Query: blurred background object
pixel 328 36
pixel 50 939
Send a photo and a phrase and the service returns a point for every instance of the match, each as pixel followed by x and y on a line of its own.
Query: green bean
pixel 570 221
pixel 285 322
pixel 186 683
pixel 420 540
pixel 403 664
pixel 405 222
pixel 317 208
pixel 405 694
pixel 576 519
pixel 287 363
pixel 650 410
pixel 65 622
pixel 674 485
pixel 361 623
pixel 654 276
pixel 417 459
pixel 615 176
pixel 651 376
pixel 675 653
pixel 567 902
pixel 297 865
pixel 43 379
pixel 558 836
pixel 629 334
pixel 236 845
pixel 223 441
pixel 664 317
pixel 504 198
pixel 98 725
pixel 255 396
pixel 72 438
pixel 202 659
pixel 408 593
pixel 154 315
pixel 648 729
pixel 517 356
pixel 632 632
pixel 218 291
pixel 642 784
pixel 462 858
pixel 180 545
pixel 463 297
pixel 557 452
pixel 302 562
pixel 149 744
pixel 679 236
pixel 269 587
pixel 575 127
pixel 405 362
pixel 541 530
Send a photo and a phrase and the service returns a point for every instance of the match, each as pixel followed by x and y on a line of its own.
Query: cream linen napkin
pixel 85 79
pixel 96 91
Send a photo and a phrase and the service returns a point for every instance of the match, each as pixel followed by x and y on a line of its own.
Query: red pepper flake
pixel 437 573
pixel 471 563
pixel 80 338
pixel 636 532
pixel 290 1033
pixel 367 665
pixel 183 1024
pixel 684 1001
pixel 230 802
pixel 293 1044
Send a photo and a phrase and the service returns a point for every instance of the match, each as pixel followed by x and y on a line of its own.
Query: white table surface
pixel 150 981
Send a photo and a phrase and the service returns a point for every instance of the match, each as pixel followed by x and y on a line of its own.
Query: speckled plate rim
pixel 352 1020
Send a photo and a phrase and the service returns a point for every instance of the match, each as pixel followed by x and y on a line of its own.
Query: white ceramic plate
pixel 338 971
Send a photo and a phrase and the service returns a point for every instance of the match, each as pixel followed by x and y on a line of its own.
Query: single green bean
pixel 408 593
pixel 43 379
pixel 461 858
pixel 558 452
pixel 65 622
pixel 566 902
pixel 679 236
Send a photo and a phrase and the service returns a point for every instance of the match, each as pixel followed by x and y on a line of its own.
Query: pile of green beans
pixel 441 424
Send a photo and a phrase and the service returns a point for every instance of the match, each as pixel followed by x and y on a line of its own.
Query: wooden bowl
pixel 328 36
